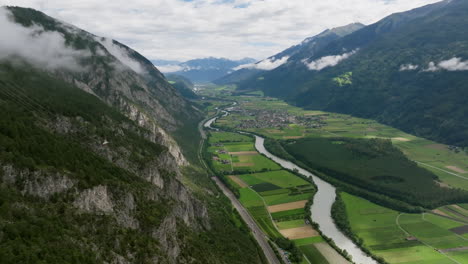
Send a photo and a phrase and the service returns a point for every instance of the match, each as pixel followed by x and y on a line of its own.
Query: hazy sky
pixel 182 30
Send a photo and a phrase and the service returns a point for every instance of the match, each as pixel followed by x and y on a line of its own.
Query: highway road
pixel 256 231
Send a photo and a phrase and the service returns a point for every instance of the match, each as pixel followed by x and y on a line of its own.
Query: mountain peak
pixel 203 69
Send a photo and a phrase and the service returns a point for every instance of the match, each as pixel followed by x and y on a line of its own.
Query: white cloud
pixel 266 65
pixel 184 30
pixel 41 48
pixel 431 67
pixel 408 67
pixel 169 68
pixel 327 61
pixel 121 54
pixel 453 64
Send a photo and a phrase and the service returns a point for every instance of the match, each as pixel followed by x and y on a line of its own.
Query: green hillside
pixel 426 103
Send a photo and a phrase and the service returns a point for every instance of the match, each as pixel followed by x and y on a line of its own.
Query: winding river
pixel 321 208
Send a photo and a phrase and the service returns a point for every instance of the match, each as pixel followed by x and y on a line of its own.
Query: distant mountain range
pixel 408 70
pixel 305 49
pixel 201 70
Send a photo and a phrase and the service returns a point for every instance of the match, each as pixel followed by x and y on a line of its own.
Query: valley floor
pixel 276 198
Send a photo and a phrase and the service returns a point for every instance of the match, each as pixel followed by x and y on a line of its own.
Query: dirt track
pixel 456 169
pixel 439 212
pixel 293 137
pixel 240 182
pixel 401 139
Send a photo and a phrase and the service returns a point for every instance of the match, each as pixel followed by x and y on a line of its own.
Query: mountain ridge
pixel 307 46
pixel 399 71
pixel 204 69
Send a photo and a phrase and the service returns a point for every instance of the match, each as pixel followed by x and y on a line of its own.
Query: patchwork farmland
pixel 274 197
pixel 437 237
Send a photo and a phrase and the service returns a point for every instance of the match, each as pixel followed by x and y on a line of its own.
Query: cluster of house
pixel 278 119
pixel 221 160
pixel 221 151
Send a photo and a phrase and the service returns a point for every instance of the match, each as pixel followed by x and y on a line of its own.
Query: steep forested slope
pixel 183 85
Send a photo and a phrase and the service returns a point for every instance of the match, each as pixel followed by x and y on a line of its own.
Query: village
pixel 274 119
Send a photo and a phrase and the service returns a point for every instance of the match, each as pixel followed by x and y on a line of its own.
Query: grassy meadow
pixel 404 238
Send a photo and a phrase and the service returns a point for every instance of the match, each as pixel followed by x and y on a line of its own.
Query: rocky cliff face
pixel 161 183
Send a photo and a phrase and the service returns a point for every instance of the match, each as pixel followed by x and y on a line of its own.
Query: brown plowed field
pixel 299 232
pixel 286 206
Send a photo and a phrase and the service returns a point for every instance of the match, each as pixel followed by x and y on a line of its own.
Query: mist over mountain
pixel 202 70
pixel 306 48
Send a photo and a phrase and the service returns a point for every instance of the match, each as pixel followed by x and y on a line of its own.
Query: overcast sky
pixel 183 30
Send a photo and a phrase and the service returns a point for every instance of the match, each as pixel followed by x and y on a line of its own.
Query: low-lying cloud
pixel 266 65
pixel 453 64
pixel 42 48
pixel 327 61
pixel 121 54
pixel 169 68
pixel 408 67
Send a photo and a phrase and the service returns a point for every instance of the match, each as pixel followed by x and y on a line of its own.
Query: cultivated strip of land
pixel 287 206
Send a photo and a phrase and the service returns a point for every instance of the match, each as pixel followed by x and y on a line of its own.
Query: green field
pixel 216 137
pixel 308 240
pixel 274 192
pixel 250 198
pixel 290 224
pixel 312 254
pixel 289 215
pixel 239 163
pixel 239 146
pixel 377 227
pixel 286 198
pixel 282 178
pixel 255 163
